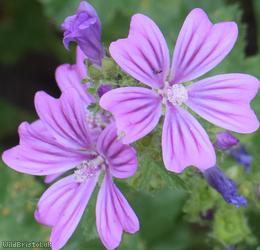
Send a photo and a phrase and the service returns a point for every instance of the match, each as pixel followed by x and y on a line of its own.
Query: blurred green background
pixel 176 213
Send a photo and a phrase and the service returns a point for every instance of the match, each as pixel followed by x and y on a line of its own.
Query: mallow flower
pixel 84 28
pixel 74 76
pixel 225 186
pixel 222 99
pixel 61 140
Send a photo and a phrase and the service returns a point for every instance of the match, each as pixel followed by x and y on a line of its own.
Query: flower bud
pixel 242 157
pixel 103 88
pixel 225 186
pixel 225 140
pixel 84 28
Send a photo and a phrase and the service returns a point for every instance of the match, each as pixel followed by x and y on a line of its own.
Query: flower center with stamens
pixel 89 168
pixel 177 94
pixel 95 120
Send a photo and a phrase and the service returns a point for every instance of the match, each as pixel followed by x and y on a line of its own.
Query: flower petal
pixel 69 76
pixel 185 142
pixel 80 63
pixel 62 206
pixel 113 215
pixel 224 101
pixel 84 6
pixel 50 178
pixel 121 157
pixel 201 46
pixel 39 153
pixel 136 111
pixel 65 118
pixel 54 200
pixel 144 53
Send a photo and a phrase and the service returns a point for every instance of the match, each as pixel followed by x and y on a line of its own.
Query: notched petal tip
pixel 138 16
pixel 224 100
pixel 143 53
pixel 232 28
pixel 39 98
pixel 198 11
pixel 38 218
pixel 7 156
pixel 201 45
pixel 11 158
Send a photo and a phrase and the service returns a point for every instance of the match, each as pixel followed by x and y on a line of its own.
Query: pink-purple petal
pixel 201 46
pixel 144 53
pixel 62 206
pixel 80 63
pixel 121 158
pixel 50 178
pixel 184 142
pixel 39 153
pixel 224 100
pixel 136 110
pixel 69 76
pixel 113 215
pixel 65 118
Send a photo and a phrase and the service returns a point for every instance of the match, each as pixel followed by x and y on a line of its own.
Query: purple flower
pixel 84 28
pixel 71 76
pixel 96 122
pixel 103 88
pixel 225 186
pixel 230 144
pixel 222 99
pixel 60 141
pixel 240 154
pixel 225 140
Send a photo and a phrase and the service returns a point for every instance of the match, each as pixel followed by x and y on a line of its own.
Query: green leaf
pixel 58 10
pixel 24 29
pixel 152 176
pixel 11 117
pixel 230 226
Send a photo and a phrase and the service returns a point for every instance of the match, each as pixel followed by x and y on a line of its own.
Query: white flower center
pixel 94 120
pixel 97 120
pixel 177 94
pixel 89 168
